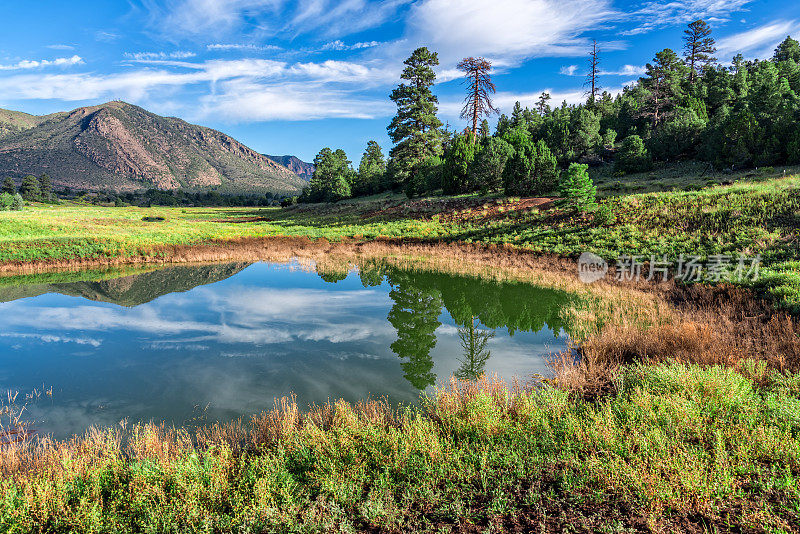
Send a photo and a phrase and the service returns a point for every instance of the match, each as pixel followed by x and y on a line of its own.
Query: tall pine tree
pixel 698 48
pixel 415 130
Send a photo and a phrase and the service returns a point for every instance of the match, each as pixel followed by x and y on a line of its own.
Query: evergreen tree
pixel 577 189
pixel 541 105
pixel 698 48
pixel 415 130
pixel 30 188
pixel 18 203
pixel 331 179
pixel 487 170
pixel 427 179
pixel 633 156
pixel 457 161
pixel 788 50
pixel 371 171
pixel 46 188
pixel 663 79
pixel 9 186
pixel 484 131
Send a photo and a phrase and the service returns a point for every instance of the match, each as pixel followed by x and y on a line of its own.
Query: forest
pixel 687 106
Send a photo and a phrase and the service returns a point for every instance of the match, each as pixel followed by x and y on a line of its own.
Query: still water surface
pixel 195 344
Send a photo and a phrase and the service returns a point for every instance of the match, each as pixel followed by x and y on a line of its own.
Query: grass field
pixel 746 217
pixel 675 448
pixel 682 414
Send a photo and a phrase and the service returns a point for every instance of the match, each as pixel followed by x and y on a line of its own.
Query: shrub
pixel 6 201
pixel 18 203
pixel 577 190
pixel 633 156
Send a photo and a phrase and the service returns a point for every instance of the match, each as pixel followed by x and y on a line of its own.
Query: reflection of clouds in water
pixel 48 338
pixel 240 315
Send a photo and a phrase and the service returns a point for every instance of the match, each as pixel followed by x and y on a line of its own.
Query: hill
pixel 129 291
pixel 120 147
pixel 296 165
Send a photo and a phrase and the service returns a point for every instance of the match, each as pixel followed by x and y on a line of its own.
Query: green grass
pixel 676 447
pixel 747 217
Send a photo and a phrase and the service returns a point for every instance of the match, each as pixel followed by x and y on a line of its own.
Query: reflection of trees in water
pixel 418 301
pixel 474 342
pixel 415 315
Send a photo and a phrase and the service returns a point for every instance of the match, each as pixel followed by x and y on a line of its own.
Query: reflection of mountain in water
pixel 131 290
pixel 420 296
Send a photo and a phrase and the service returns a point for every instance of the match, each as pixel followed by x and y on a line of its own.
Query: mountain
pixel 300 168
pixel 132 290
pixel 121 147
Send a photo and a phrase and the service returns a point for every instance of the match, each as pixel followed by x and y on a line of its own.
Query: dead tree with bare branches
pixel 478 102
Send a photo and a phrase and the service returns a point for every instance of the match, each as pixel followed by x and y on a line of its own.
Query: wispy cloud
pixel 340 45
pixel 204 19
pixel 146 56
pixel 760 41
pixel 243 47
pixel 238 90
pixel 656 14
pixel 27 64
pixel 60 47
pixel 507 30
pixel 568 70
pixel 625 70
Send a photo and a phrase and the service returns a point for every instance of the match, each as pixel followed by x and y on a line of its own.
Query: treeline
pixel 685 107
pixel 40 189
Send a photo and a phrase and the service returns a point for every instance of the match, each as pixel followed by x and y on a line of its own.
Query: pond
pixel 190 345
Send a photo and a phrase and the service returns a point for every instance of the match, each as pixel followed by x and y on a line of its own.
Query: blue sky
pixel 292 76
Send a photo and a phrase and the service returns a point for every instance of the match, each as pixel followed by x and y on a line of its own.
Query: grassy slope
pixel 752 218
pixel 677 448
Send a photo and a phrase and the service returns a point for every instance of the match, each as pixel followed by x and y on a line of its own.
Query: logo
pixel 591 268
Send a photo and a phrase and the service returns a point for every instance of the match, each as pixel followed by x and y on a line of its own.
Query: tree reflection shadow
pixel 420 296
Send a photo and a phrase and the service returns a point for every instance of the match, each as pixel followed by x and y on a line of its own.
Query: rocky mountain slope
pixel 121 147
pixel 296 165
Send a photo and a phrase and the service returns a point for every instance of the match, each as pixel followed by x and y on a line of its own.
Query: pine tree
pixel 30 188
pixel 415 130
pixel 788 50
pixel 699 48
pixel 45 187
pixel 9 186
pixel 371 171
pixel 663 82
pixel 633 156
pixel 331 179
pixel 541 105
pixel 480 88
pixel 577 190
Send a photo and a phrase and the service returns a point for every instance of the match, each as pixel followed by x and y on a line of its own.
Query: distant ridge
pixel 300 168
pixel 121 147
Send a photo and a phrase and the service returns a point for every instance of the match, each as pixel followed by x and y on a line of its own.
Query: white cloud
pixel 26 64
pixel 60 47
pixel 625 70
pixel 760 41
pixel 243 47
pixel 657 14
pixel 148 56
pixel 506 30
pixel 340 45
pixel 568 70
pixel 202 19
